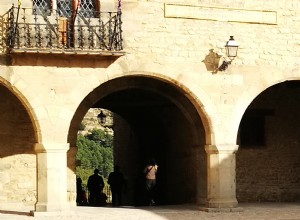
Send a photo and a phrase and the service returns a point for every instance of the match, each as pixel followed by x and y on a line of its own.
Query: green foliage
pixel 95 150
pixel 81 126
pixel 101 137
pixel 84 174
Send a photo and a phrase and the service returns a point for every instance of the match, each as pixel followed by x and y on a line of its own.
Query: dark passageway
pixel 155 119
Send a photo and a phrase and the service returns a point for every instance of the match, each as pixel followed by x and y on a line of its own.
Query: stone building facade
pixel 220 136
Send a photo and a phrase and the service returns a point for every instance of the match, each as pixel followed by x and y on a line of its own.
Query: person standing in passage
pixel 95 186
pixel 81 195
pixel 150 179
pixel 116 181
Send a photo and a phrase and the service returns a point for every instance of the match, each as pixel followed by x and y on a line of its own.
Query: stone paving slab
pixel 258 211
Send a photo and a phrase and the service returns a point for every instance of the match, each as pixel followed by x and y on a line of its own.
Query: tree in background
pixel 95 150
pixel 101 137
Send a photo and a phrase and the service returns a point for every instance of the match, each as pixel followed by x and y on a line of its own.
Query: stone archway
pixel 18 171
pixel 155 119
pixel 268 157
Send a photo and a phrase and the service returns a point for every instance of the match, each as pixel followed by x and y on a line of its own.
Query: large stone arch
pixel 204 108
pixel 164 87
pixel 26 104
pixel 275 170
pixel 50 118
pixel 250 92
pixel 19 133
pixel 131 65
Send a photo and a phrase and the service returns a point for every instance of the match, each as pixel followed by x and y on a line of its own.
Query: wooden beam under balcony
pixel 59 59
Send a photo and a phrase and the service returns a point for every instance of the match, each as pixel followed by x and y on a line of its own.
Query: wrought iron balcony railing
pixel 32 30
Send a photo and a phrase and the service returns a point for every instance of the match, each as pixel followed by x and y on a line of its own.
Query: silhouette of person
pixel 150 180
pixel 95 186
pixel 116 181
pixel 81 194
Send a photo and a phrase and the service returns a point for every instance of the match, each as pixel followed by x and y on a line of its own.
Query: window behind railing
pixel 64 8
pixel 42 7
pixel 87 8
pixel 36 33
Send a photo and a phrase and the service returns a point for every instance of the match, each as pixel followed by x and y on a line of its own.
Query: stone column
pixel 221 176
pixel 51 177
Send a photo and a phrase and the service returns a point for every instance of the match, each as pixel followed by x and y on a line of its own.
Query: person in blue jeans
pixel 150 180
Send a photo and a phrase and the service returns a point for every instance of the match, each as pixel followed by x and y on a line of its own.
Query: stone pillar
pixel 51 177
pixel 221 176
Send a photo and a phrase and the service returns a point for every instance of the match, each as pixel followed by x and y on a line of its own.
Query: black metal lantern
pixel 101 118
pixel 231 52
pixel 231 48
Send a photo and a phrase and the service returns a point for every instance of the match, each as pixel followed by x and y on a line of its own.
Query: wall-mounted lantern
pixel 231 52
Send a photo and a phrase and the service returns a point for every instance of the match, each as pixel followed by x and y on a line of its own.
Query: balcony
pixel 33 31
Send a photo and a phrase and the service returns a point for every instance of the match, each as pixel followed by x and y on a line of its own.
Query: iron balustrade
pixel 33 30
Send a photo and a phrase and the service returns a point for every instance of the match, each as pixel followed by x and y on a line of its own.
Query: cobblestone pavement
pixel 258 211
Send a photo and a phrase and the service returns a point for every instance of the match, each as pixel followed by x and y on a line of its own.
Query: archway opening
pixel 154 119
pixel 268 160
pixel 17 156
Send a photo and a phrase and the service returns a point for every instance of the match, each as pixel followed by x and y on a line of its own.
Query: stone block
pixel 4 166
pixel 4 178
